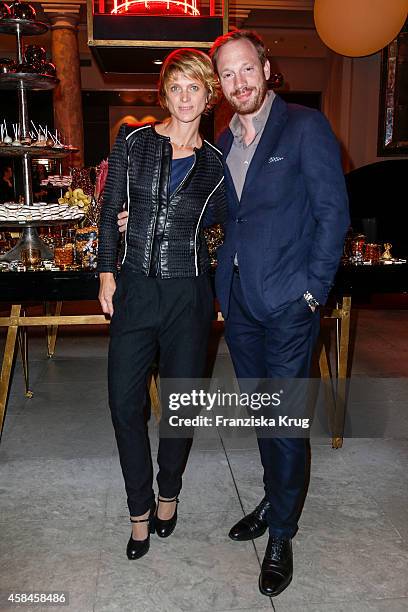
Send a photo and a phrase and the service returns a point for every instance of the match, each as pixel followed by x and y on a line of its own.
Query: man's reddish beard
pixel 253 104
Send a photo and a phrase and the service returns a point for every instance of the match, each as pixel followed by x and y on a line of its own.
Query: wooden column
pixel 67 95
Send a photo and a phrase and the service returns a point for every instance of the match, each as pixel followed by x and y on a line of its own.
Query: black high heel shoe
pixel 165 527
pixel 137 548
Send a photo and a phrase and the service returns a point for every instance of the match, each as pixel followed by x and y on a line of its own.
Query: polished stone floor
pixel 63 515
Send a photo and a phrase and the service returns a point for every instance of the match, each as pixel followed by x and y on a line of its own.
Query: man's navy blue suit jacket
pixel 288 228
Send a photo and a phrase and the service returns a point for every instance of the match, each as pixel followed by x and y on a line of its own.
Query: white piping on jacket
pixel 127 191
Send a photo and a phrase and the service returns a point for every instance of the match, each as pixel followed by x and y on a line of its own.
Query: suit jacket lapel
pixel 270 136
pixel 225 143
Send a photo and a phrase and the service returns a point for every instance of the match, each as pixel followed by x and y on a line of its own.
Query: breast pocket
pixel 277 164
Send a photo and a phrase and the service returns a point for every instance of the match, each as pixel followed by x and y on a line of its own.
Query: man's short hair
pixel 248 35
pixel 195 65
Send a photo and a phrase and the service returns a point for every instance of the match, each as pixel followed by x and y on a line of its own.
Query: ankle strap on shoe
pixel 139 520
pixel 167 501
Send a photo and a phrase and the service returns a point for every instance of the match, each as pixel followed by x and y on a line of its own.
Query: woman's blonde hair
pixel 195 65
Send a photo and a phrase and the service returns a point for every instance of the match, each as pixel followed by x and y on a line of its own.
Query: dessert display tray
pixel 33 151
pixel 33 81
pixel 39 222
pixel 27 27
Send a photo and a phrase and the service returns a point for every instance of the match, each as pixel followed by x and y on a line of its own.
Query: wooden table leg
pixel 52 330
pixel 8 360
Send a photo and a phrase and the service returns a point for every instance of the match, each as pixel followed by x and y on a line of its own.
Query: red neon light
pixel 156 7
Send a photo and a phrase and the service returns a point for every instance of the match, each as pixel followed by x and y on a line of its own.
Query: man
pixel 288 216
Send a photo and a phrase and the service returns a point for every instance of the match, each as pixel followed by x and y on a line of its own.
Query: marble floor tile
pixel 64 518
pixel 345 571
pixel 345 522
pixel 377 455
pixel 52 555
pixel 331 482
pixel 247 470
pixel 394 504
pixel 76 370
pixel 380 605
pixel 197 569
pixel 51 488
pixel 263 609
pixel 58 433
pixel 88 396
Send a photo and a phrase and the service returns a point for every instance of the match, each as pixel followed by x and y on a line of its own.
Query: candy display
pixel 22 10
pixel 40 136
pixel 34 54
pixel 57 180
pixel 86 246
pixel 357 251
pixel 39 211
pixel 81 178
pixel 31 71
pixel 75 198
pixel 64 255
pixel 35 61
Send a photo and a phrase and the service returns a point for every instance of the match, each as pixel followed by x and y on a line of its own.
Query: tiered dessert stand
pixel 22 82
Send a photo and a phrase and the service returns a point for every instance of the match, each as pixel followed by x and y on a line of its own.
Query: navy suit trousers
pixel 280 347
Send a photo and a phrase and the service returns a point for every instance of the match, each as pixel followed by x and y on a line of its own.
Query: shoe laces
pixel 275 547
pixel 262 509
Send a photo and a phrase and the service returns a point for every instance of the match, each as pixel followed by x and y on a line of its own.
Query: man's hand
pixel 107 288
pixel 122 220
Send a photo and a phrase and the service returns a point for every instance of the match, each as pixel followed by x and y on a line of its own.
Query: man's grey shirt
pixel 240 154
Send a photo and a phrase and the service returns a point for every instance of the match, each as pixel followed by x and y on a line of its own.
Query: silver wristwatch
pixel 311 301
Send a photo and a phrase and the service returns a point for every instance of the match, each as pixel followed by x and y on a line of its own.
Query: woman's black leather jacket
pixel 168 227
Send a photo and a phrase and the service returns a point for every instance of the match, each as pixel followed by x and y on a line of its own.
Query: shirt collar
pixel 259 120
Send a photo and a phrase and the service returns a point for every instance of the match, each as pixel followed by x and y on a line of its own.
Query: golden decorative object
pixel 387 253
pixel 31 257
pixel 64 255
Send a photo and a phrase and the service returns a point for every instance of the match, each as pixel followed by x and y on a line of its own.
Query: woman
pixel 171 182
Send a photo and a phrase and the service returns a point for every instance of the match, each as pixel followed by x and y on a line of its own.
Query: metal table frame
pixel 57 287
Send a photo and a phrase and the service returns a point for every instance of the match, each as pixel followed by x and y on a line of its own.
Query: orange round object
pixel 359 27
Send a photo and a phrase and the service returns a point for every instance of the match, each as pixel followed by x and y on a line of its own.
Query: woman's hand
pixel 122 220
pixel 107 287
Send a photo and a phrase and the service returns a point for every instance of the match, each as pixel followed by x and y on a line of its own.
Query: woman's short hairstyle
pixel 248 35
pixel 195 65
